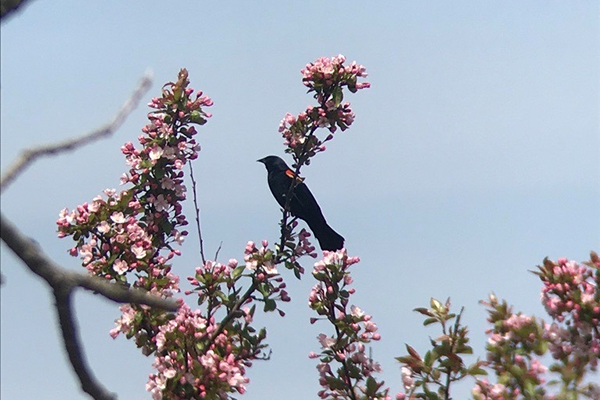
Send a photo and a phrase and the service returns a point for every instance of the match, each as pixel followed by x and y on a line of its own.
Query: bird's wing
pixel 306 200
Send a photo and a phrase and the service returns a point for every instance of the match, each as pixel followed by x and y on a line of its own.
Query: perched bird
pixel 302 204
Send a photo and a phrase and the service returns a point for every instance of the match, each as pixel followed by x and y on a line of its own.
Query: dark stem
pixel 197 211
pixel 238 304
pixel 452 346
pixel 284 224
pixel 344 365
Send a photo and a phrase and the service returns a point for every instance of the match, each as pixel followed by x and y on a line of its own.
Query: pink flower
pixel 155 153
pixel 120 267
pixel 118 218
pixel 326 341
pixel 161 203
pixel 139 252
pixel 407 380
pixel 357 312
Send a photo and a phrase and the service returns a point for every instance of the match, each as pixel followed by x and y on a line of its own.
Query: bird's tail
pixel 328 238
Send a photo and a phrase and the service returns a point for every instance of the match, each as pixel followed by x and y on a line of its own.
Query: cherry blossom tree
pixel 204 341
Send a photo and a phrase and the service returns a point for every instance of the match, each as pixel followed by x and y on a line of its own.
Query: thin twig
pixel 197 210
pixel 218 250
pixel 286 209
pixel 28 156
pixel 236 307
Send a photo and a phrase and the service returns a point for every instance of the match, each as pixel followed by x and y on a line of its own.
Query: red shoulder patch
pixel 291 174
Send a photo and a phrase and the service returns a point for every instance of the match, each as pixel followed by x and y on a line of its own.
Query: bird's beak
pixel 262 160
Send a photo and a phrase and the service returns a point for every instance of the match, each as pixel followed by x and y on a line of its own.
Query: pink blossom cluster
pixel 571 298
pixel 579 346
pixel 570 292
pixel 134 230
pixel 484 390
pixel 302 247
pixel 326 72
pixel 571 295
pixel 353 329
pixel 213 279
pixel 327 78
pixel 513 341
pixel 113 240
pixel 260 258
pixel 231 343
pixel 185 370
pixel 262 263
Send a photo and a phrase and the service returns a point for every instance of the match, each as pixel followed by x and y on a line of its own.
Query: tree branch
pixel 74 348
pixel 63 282
pixel 9 6
pixel 28 156
pixel 58 277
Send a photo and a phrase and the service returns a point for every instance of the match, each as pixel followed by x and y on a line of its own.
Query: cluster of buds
pixel 263 265
pixel 330 298
pixel 189 365
pixel 514 342
pixel 571 296
pixel 326 78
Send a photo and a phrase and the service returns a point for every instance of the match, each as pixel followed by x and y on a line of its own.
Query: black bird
pixel 302 204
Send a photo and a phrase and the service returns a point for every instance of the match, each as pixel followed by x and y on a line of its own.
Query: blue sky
pixel 473 156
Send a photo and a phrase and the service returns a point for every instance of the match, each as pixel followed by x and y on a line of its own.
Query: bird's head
pixel 274 163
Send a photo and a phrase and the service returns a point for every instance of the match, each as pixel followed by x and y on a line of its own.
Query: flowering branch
pixel 30 155
pixel 326 78
pixel 517 342
pixel 354 378
pixel 59 278
pixel 199 353
pixel 443 364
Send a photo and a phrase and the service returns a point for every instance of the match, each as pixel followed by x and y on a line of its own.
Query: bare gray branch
pixel 28 156
pixel 8 7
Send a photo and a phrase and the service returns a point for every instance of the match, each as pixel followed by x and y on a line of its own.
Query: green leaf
pixel 166 227
pixel 435 304
pixel 337 96
pixel 424 311
pixel 413 352
pixel 476 370
pixel 238 271
pixel 372 386
pixel 196 117
pixel 270 305
pixel 335 383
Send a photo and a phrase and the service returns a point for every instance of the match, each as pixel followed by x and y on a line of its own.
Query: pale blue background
pixel 473 156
